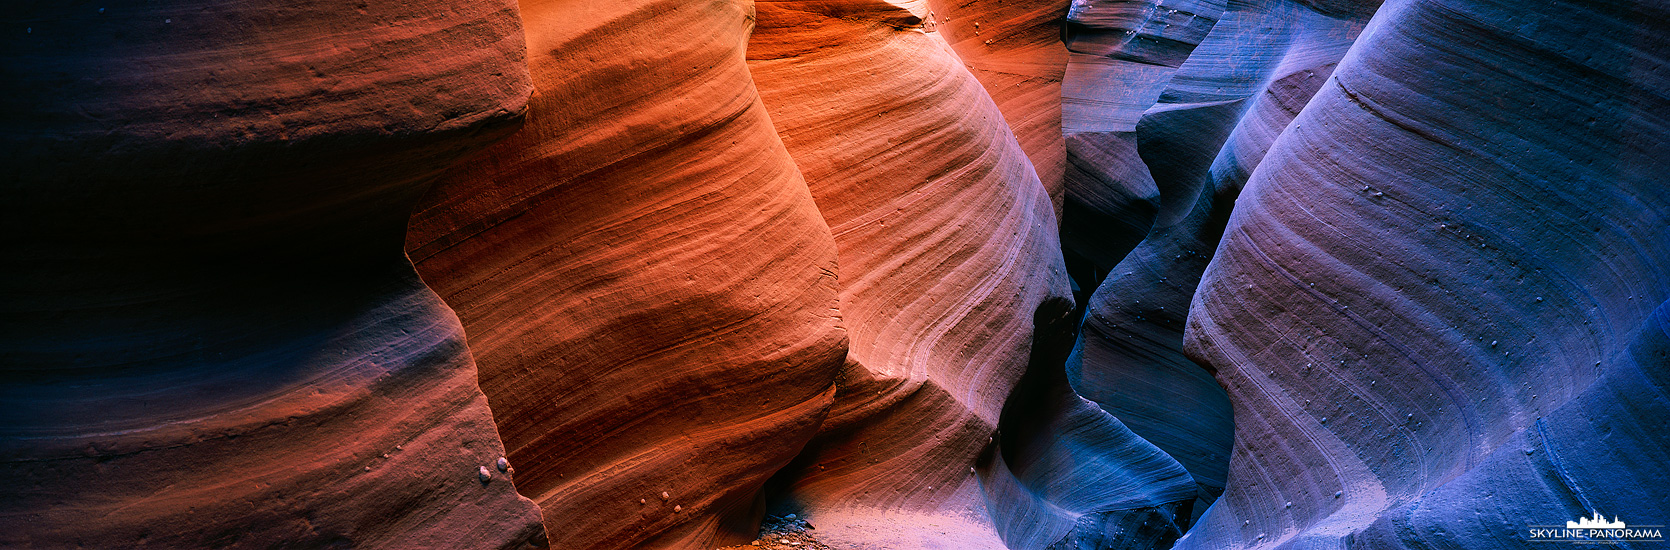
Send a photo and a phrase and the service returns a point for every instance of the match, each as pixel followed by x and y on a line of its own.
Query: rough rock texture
pixel 947 247
pixel 1213 123
pixel 1015 49
pixel 645 281
pixel 1426 304
pixel 211 337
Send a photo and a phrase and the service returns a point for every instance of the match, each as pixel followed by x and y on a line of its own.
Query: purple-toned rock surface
pixel 1426 305
pixel 1215 120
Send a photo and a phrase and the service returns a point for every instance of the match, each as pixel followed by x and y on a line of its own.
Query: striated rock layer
pixel 1212 124
pixel 211 336
pixel 947 247
pixel 646 283
pixel 1123 56
pixel 1432 307
pixel 1015 50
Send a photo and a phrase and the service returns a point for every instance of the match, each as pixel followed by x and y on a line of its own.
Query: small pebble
pixel 665 496
pixel 484 475
pixel 642 501
pixel 1338 494
pixel 677 508
pixel 503 464
pixel 790 516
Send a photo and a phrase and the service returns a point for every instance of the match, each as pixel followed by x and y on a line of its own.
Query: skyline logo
pixel 1595 530
pixel 1598 522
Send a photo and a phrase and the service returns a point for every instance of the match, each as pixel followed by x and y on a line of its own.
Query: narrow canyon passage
pixel 836 274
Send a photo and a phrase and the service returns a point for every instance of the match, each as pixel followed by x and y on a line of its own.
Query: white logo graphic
pixel 1595 530
pixel 1597 522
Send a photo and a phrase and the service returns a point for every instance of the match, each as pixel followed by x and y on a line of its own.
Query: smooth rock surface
pixel 1123 55
pixel 211 337
pixel 946 242
pixel 1217 117
pixel 645 281
pixel 1442 262
pixel 1015 49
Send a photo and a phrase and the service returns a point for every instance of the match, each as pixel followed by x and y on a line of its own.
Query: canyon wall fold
pixel 646 283
pixel 1014 49
pixel 1214 121
pixel 1123 55
pixel 946 242
pixel 211 336
pixel 1327 274
pixel 1425 300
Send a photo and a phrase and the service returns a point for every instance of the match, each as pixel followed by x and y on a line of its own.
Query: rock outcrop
pixel 211 336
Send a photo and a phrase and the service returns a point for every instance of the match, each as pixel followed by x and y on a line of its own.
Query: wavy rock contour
pixel 1216 118
pixel 645 281
pixel 211 335
pixel 1441 265
pixel 947 247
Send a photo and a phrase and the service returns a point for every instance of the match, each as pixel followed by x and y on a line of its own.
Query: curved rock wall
pixel 1425 298
pixel 1123 56
pixel 647 285
pixel 1216 119
pixel 211 336
pixel 946 243
pixel 1394 282
pixel 1016 52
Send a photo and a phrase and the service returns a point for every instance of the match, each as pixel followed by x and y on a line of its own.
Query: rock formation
pixel 1212 123
pixel 211 336
pixel 1123 56
pixel 1015 50
pixel 972 274
pixel 645 281
pixel 1424 305
pixel 946 244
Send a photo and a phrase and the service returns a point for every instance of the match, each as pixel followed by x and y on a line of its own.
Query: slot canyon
pixel 835 274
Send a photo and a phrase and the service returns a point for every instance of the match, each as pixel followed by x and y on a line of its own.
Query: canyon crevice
pixel 970 274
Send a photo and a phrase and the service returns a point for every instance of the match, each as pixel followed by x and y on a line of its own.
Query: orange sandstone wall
pixel 645 280
pixel 211 337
